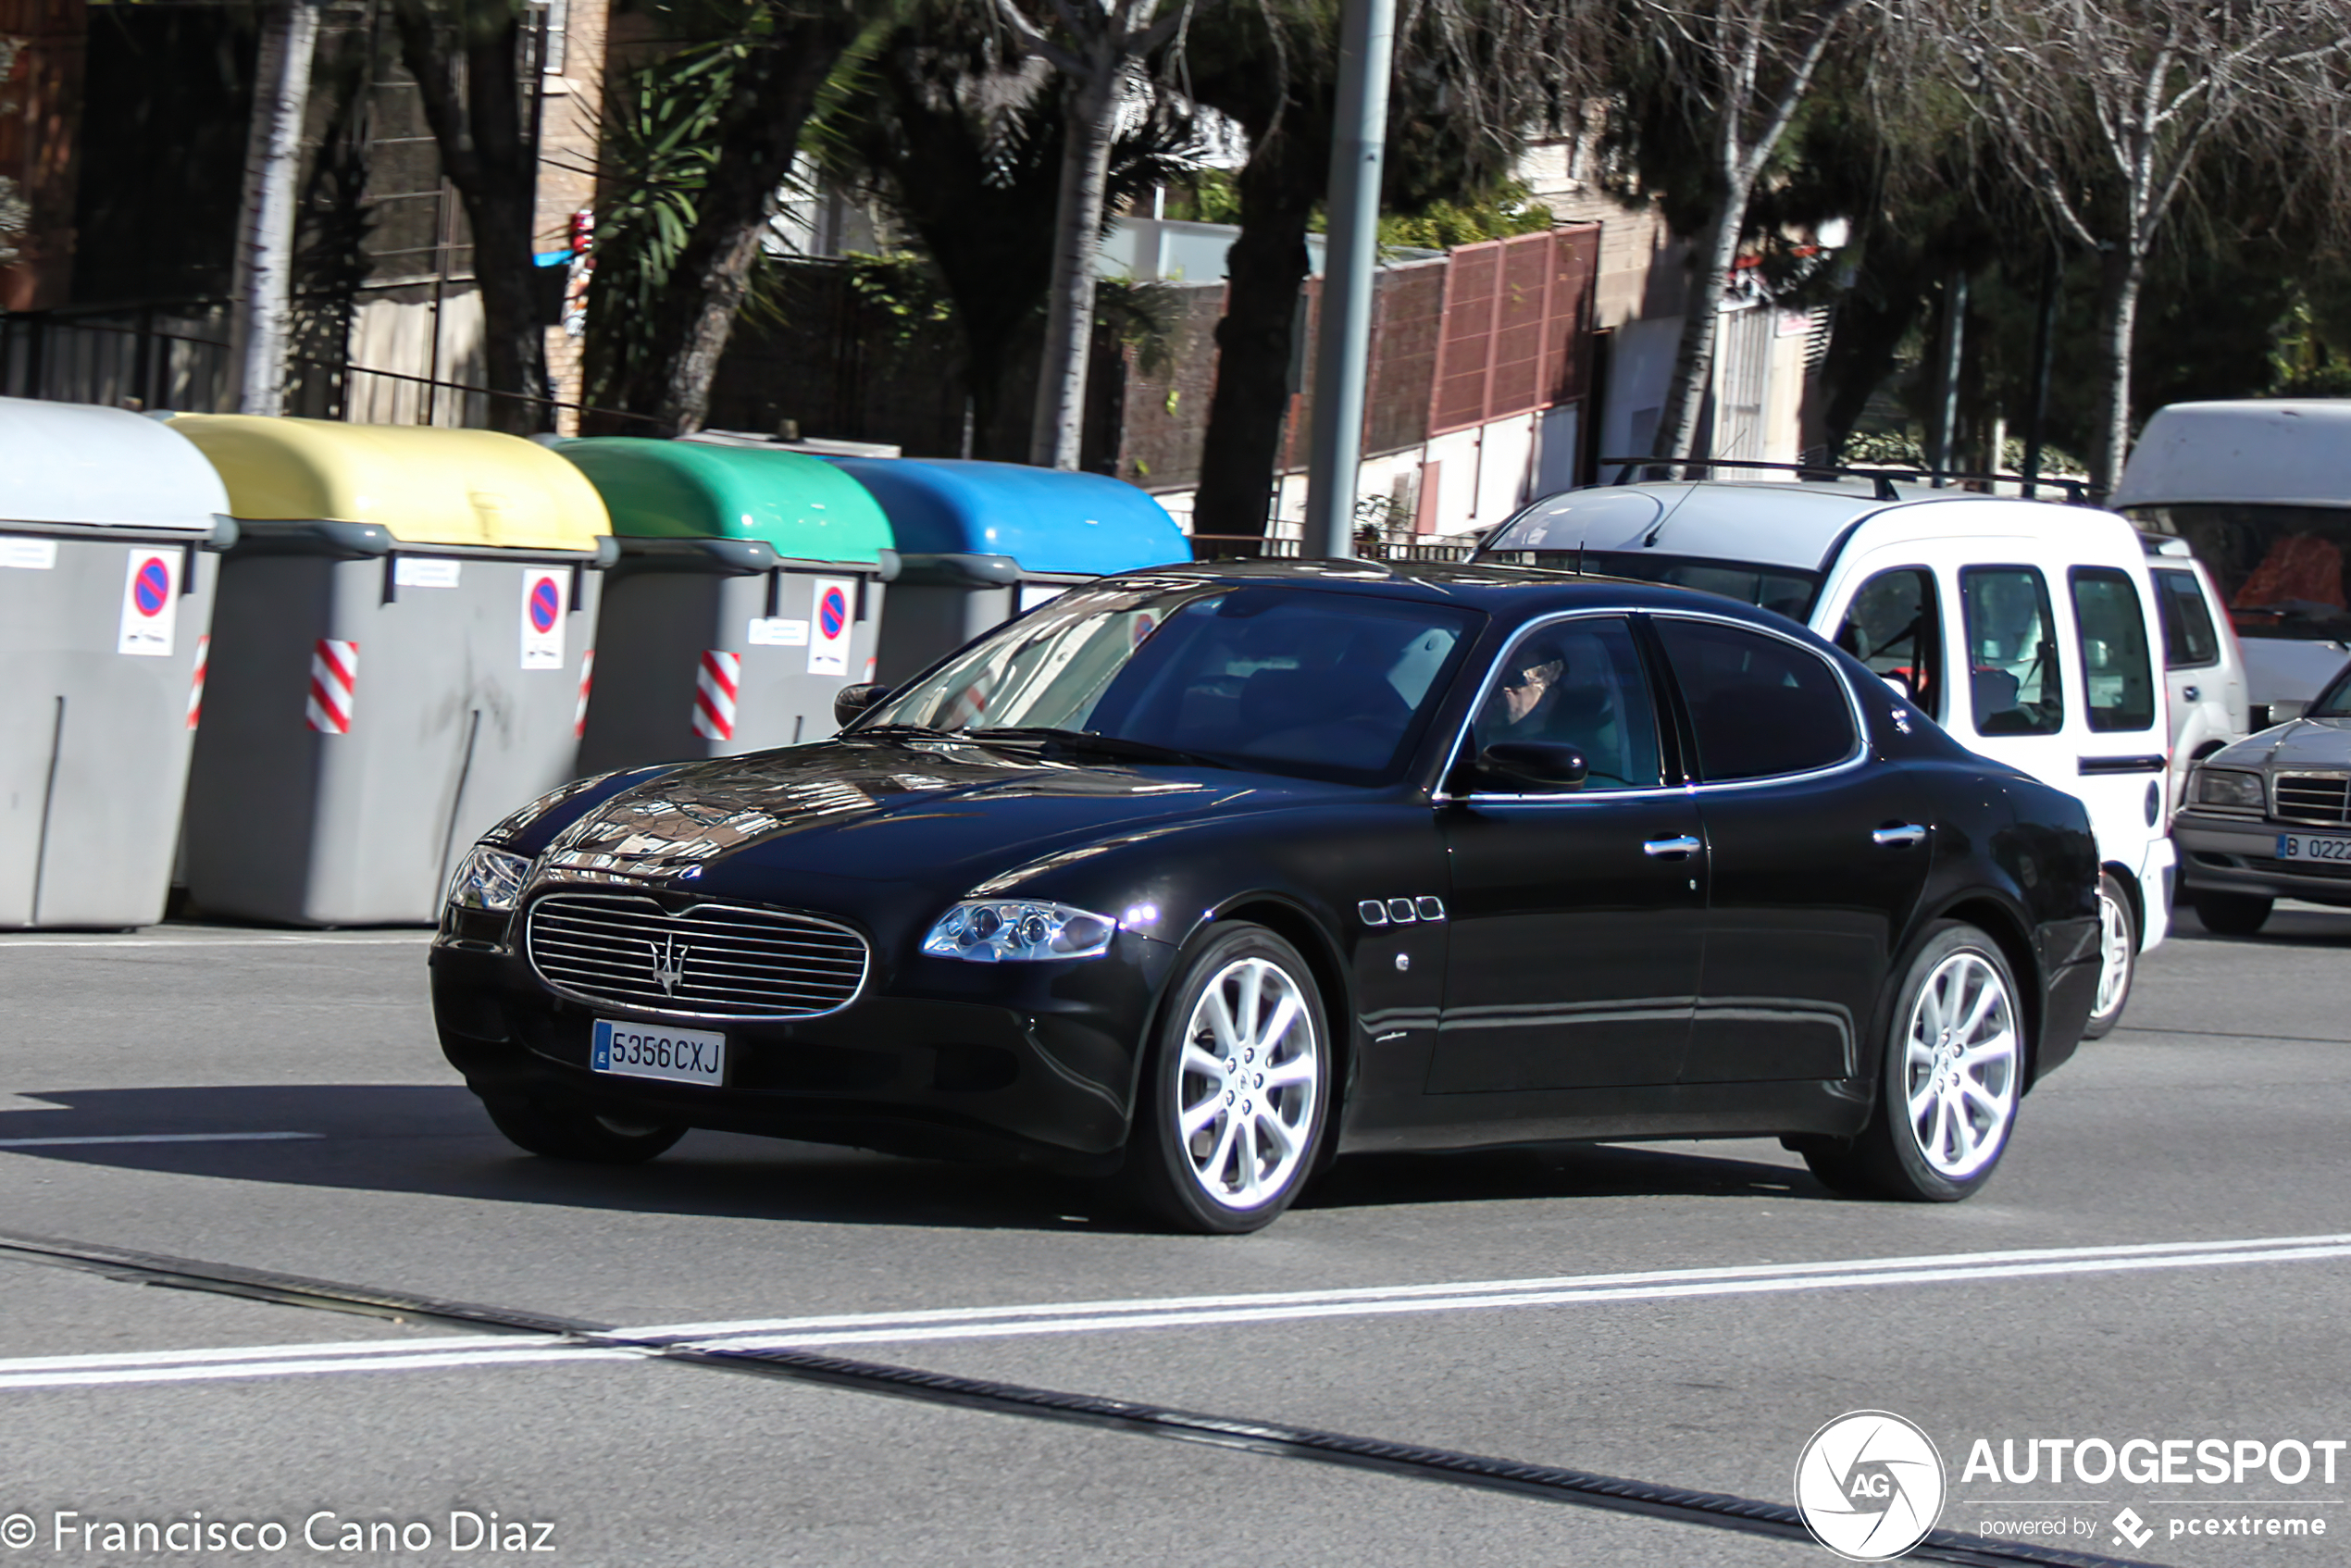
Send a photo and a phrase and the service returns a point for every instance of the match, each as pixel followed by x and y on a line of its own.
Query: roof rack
pixel 2078 492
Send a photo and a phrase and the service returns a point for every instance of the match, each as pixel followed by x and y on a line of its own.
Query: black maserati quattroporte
pixel 1204 876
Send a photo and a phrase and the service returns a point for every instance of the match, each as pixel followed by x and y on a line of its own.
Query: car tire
pixel 1214 1148
pixel 2117 956
pixel 1945 1107
pixel 2230 914
pixel 558 1131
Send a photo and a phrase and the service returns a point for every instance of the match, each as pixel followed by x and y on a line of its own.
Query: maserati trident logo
pixel 669 963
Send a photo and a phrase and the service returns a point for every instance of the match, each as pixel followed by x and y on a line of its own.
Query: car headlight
pixel 489 879
pixel 1019 930
pixel 2226 787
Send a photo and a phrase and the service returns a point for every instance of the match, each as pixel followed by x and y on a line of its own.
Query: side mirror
pixel 1533 764
pixel 850 702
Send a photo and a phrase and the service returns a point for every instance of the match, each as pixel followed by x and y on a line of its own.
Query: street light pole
pixel 1350 254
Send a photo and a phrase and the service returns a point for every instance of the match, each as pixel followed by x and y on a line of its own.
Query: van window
pixel 2014 680
pixel 1893 627
pixel 2189 642
pixel 2113 633
pixel 1760 704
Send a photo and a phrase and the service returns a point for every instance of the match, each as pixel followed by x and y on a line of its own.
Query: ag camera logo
pixel 1870 1486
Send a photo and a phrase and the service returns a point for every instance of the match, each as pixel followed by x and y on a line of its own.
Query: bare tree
pixel 1739 71
pixel 1101 44
pixel 2107 108
pixel 473 65
pixel 261 295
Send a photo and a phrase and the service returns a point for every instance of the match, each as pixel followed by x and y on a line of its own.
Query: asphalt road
pixel 2163 1257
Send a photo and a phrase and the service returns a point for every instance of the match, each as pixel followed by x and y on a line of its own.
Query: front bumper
pixel 2238 854
pixel 1034 1063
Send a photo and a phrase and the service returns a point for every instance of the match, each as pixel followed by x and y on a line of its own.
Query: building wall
pixel 571 98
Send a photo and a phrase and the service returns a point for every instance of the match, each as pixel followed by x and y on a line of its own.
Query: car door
pixel 1576 944
pixel 1816 855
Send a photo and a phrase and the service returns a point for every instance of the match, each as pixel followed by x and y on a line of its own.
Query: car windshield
pixel 1270 676
pixel 2333 702
pixel 2283 571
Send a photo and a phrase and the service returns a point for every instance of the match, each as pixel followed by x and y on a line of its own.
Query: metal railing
pixel 1251 546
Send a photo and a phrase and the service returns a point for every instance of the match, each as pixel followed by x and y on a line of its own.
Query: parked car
pixel 2270 819
pixel 2025 628
pixel 2203 666
pixel 1205 875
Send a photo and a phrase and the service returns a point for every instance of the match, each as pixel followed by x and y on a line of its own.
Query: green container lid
pixel 802 507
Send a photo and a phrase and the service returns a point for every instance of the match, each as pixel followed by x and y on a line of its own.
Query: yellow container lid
pixel 424 484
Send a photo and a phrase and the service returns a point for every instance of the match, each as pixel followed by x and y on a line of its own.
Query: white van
pixel 2203 664
pixel 2262 490
pixel 2027 628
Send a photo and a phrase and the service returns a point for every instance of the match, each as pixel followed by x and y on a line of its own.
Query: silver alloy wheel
pixel 2114 956
pixel 1960 1059
pixel 1247 1087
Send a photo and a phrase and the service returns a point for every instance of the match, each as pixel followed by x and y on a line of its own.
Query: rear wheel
pixel 1948 1089
pixel 1236 1093
pixel 570 1132
pixel 2230 914
pixel 2117 956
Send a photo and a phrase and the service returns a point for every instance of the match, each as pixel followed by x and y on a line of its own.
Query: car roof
pixel 1772 523
pixel 1500 590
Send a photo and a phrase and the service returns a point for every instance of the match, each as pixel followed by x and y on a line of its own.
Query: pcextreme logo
pixel 1870 1486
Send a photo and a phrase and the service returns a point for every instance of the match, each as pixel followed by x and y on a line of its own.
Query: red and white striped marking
pixel 334 680
pixel 587 680
pixel 715 689
pixel 195 682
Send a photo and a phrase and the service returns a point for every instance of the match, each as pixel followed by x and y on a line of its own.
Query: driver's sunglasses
pixel 1523 679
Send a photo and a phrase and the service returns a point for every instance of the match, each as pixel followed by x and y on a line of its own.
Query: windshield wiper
pixel 1085 742
pixel 901 731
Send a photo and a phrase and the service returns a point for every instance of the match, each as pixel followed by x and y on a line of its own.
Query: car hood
pixel 890 811
pixel 2301 742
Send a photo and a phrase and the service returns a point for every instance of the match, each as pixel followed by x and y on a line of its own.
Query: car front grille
pixel 2313 797
pixel 711 961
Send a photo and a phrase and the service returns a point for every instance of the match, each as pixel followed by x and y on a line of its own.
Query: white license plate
pixel 654 1051
pixel 2300 846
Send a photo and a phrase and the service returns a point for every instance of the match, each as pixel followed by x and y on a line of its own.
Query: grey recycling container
pixel 405 631
pixel 108 522
pixel 979 543
pixel 747 593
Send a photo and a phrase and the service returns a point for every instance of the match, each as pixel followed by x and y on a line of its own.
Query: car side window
pixel 2014 677
pixel 1760 704
pixel 1578 682
pixel 1894 626
pixel 2189 642
pixel 2112 628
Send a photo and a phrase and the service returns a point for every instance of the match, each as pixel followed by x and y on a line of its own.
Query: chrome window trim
pixel 1853 759
pixel 531 956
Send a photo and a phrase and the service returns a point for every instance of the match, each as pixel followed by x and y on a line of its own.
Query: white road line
pixel 1000 1329
pixel 36 943
pixel 156 1137
pixel 1010 1322
pixel 1573 1283
pixel 530 1355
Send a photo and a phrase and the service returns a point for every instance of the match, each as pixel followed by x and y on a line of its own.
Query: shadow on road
pixel 435 1140
pixel 2289 925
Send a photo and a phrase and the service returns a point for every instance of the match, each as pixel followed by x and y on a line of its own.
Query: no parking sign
pixel 150 602
pixel 833 613
pixel 543 620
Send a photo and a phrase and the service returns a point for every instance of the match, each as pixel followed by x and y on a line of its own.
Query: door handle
pixel 1671 849
pixel 1909 835
pixel 2191 693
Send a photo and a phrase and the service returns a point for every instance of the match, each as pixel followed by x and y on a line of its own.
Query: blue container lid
pixel 1047 519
